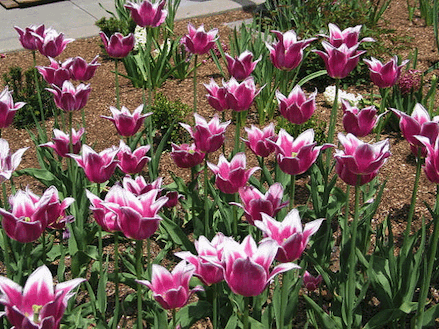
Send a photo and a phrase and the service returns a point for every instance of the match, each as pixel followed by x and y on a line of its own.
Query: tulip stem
pixel 382 123
pixel 292 191
pixel 5 249
pixel 333 118
pixel 195 82
pixel 116 61
pixel 215 306
pixel 139 254
pixel 61 266
pixel 40 102
pixel 72 172
pixel 148 258
pixel 433 249
pixel 246 313
pixel 352 256
pixel 206 205
pixel 116 279
pixel 174 320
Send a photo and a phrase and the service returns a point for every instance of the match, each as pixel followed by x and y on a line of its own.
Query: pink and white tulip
pixel 139 186
pixel 132 162
pixel 216 96
pixel 348 36
pixel 61 142
pixel 198 41
pixel 9 162
pixel 27 36
pixel 8 108
pixel 186 156
pixel 359 122
pixel 385 75
pixel 127 123
pixel 146 13
pixel 241 66
pixel 51 43
pixel 56 73
pixel 70 98
pixel 296 108
pixel 81 70
pixel 118 46
pixel 260 141
pixel 240 96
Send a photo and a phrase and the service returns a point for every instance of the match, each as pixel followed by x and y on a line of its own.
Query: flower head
pixel 38 305
pixel 186 156
pixel 118 46
pixel 27 36
pixel 359 122
pixel 310 282
pixel 348 36
pixel 9 162
pixel 296 108
pixel 216 96
pixel 127 123
pixel 51 43
pixel 8 108
pixel 385 75
pixel 81 70
pixel 70 98
pixel 260 141
pixel 240 96
pixel 198 41
pixel 147 13
pixel 410 81
pixel 56 73
pixel 132 162
pixel 241 66
pixel 61 142
pixel 139 186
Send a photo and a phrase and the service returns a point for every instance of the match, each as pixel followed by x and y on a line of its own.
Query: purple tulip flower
pixel 259 140
pixel 171 289
pixel 105 218
pixel 431 166
pixel 51 43
pixel 127 124
pixel 216 96
pixel 359 122
pixel 118 46
pixel 242 66
pixel 198 41
pixel 27 36
pixel 296 108
pixel 56 73
pixel 288 234
pixel 8 108
pixel 186 156
pixel 348 36
pixel 70 98
pixel 310 282
pixel 240 96
pixel 61 142
pixel 80 70
pixel 9 162
pixel 146 13
pixel 139 186
pixel 132 162
pixel 38 305
pixel 387 75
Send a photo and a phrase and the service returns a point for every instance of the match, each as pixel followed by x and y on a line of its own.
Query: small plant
pixel 319 127
pixel 168 114
pixel 24 90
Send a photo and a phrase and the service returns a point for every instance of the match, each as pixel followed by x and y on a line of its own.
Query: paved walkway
pixel 76 18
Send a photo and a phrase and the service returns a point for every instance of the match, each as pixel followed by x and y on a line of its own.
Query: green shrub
pixel 167 114
pixel 112 25
pixel 294 130
pixel 24 90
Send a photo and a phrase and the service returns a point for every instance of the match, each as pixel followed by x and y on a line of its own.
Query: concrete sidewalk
pixel 76 18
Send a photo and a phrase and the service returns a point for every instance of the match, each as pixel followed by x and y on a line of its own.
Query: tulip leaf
pixel 177 235
pixel 44 176
pixel 311 76
pixel 191 313
pixel 325 318
pixel 233 322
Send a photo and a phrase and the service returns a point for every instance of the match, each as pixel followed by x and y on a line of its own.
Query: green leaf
pixel 191 313
pixel 177 235
pixel 325 319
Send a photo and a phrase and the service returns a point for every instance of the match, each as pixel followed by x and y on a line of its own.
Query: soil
pixel 399 171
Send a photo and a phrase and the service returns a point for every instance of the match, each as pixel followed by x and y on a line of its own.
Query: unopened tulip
pixel 431 166
pixel 147 13
pixel 98 167
pixel 208 263
pixel 52 43
pixel 358 122
pixel 118 46
pixel 27 218
pixel 127 123
pixel 247 266
pixel 385 75
pixel 198 41
pixel 240 96
pixel 81 70
pixel 56 73
pixel 295 156
pixel 296 108
pixel 287 53
pixel 419 123
pixel 289 236
pixel 231 176
pixel 137 216
pixel 360 162
pixel 61 142
pixel 173 197
pixel 186 156
pixel 139 186
pixel 259 140
pixel 339 61
pixel 241 66
pixel 310 282
pixel 27 36
pixel 208 137
pixel 8 108
pixel 70 98
pixel 37 305
pixel 216 96
pixel 171 289
pixel 348 36
pixel 255 203
pixel 132 162
pixel 9 162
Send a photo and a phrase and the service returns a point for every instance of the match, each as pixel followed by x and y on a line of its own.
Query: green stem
pixel 235 216
pixel 195 82
pixel 62 257
pixel 206 205
pixel 432 257
pixel 215 306
pixel 139 254
pixel 292 191
pixel 333 118
pixel 174 320
pixel 72 173
pixel 148 258
pixel 116 280
pixel 384 95
pixel 6 248
pixel 353 256
pixel 116 62
pixel 246 313
pixel 37 87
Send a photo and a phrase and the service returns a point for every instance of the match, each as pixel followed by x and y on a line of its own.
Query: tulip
pixel 27 218
pixel 138 185
pixel 102 215
pixel 137 216
pixel 247 266
pixel 240 96
pixel 56 73
pixel 288 235
pixel 147 14
pixel 38 305
pixel 431 166
pixel 132 162
pixel 51 43
pixel 231 176
pixel 208 137
pixel 118 46
pixel 173 197
pixel 186 156
pixel 81 70
pixel 418 123
pixel 358 122
pixel 255 203
pixel 259 140
pixel 171 289
pixel 198 41
pixel 70 98
pixel 9 162
pixel 242 66
pixel 359 163
pixel 287 53
pixel 208 263
pixel 295 156
pixel 310 282
pixel 8 108
pixel 340 61
pixel 348 36
pixel 98 167
pixel 27 36
pixel 296 108
pixel 386 75
pixel 216 96
pixel 61 142
pixel 127 124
